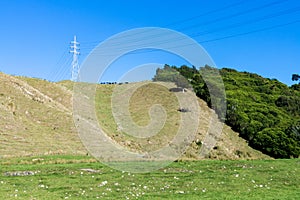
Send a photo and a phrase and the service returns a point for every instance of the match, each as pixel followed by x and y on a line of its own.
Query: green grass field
pixel 81 177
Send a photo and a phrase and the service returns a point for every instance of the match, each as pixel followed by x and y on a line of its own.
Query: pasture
pixel 82 177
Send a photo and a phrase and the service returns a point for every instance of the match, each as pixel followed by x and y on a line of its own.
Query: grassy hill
pixel 36 119
pixel 264 111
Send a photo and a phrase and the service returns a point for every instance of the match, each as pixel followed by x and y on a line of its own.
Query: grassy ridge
pixel 70 177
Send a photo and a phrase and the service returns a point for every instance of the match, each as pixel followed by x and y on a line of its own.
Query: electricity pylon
pixel 75 64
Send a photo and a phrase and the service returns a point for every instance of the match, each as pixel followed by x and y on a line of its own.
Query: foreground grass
pixel 69 177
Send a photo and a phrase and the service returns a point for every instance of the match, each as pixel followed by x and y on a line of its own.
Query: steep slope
pixel 228 144
pixel 36 119
pixel 264 111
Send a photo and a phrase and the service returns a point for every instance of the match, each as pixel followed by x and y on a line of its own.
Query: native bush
pixel 262 110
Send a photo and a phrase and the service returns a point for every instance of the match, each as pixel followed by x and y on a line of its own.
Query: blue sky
pixel 256 36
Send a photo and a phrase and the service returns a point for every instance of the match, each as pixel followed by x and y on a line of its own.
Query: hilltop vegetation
pixel 264 111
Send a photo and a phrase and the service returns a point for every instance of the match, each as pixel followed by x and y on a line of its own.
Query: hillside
pixel 264 111
pixel 268 112
pixel 36 119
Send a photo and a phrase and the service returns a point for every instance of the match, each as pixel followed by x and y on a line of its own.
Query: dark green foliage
pixel 296 87
pixel 289 103
pixel 264 111
pixel 207 85
pixel 294 131
pixel 276 143
pixel 186 71
pixel 295 77
pixel 167 74
pixel 261 110
pixel 170 74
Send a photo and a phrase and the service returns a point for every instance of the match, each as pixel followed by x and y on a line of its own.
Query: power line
pixel 251 21
pixel 187 19
pixel 64 62
pixel 266 17
pixel 59 62
pixel 285 12
pixel 250 10
pixel 208 13
pixel 254 9
pixel 64 69
pixel 250 32
pixel 220 38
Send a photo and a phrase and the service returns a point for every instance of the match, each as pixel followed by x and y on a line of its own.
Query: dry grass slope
pixel 36 119
pixel 228 144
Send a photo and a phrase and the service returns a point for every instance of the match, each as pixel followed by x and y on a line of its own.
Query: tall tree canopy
pixel 295 77
pixel 170 74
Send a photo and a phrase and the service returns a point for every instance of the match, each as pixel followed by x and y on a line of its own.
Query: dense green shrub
pixel 264 111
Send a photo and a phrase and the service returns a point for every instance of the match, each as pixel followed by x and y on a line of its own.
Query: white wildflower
pixel 103 183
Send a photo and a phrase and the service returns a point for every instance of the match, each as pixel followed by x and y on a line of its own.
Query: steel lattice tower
pixel 75 64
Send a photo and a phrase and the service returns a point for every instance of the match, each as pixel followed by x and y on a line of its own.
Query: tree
pixel 295 77
pixel 181 82
pixel 274 142
pixel 169 74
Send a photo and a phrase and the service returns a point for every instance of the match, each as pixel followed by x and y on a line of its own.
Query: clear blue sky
pixel 35 34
